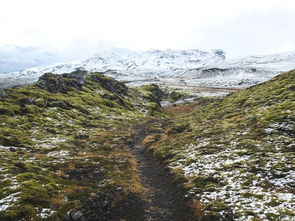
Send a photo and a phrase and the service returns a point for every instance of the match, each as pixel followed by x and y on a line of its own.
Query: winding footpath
pixel 166 202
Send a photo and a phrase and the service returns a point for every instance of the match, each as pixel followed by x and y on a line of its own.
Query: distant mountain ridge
pixel 242 72
pixel 130 65
pixel 191 67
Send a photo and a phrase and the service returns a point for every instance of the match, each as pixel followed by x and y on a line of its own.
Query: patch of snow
pixel 51 142
pixel 241 188
pixel 8 201
pixel 7 148
pixel 59 154
pixel 46 213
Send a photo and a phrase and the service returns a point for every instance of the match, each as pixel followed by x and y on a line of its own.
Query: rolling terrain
pixel 235 155
pixel 84 146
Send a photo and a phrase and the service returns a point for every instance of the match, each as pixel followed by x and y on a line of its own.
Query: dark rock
pixel 78 74
pixel 114 73
pixel 82 110
pixel 12 149
pixel 88 125
pixel 3 94
pixel 81 136
pixel 211 72
pixel 56 83
pixel 11 141
pixel 116 98
pixel 220 53
pixel 21 166
pixel 109 84
pixel 60 104
pixel 179 128
pixel 93 173
pixel 77 216
pixel 157 93
pixel 25 101
pixel 62 83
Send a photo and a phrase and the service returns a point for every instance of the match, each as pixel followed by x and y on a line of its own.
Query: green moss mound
pixel 64 142
pixel 233 148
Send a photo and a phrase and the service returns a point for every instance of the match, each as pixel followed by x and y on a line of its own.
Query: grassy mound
pixel 236 156
pixel 64 147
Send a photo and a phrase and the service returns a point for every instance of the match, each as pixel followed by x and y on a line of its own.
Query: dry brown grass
pixel 197 207
pixel 148 140
pixel 58 200
pixel 180 109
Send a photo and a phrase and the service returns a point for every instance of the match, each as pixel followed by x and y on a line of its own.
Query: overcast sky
pixel 76 28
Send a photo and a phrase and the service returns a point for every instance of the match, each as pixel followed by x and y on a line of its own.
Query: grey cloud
pixel 15 58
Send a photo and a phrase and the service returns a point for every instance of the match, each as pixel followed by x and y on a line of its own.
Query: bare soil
pixel 166 201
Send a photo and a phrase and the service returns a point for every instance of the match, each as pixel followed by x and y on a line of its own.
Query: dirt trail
pixel 166 201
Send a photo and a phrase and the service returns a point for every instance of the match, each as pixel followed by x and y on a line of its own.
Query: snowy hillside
pixel 168 67
pixel 243 72
pixel 125 65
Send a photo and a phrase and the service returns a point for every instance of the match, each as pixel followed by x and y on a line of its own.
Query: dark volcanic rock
pixel 56 83
pixel 62 83
pixel 109 84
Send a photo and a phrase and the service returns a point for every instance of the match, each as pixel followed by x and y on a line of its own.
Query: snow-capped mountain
pixel 242 72
pixel 169 67
pixel 124 64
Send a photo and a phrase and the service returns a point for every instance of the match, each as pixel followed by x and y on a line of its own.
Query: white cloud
pixel 81 27
pixel 263 32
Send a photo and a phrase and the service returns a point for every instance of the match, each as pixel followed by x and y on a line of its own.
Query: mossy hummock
pixel 238 151
pixel 64 147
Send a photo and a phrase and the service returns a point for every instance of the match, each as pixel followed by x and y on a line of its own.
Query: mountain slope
pixel 171 67
pixel 243 72
pixel 235 156
pixel 127 65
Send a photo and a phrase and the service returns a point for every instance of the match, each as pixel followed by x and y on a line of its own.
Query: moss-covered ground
pixel 65 149
pixel 235 156
pixel 64 145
